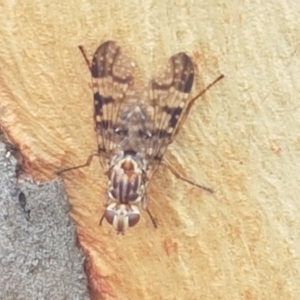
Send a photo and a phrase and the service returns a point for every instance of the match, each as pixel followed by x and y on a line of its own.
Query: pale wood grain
pixel 242 139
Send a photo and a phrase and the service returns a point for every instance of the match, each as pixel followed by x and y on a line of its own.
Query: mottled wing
pixel 112 75
pixel 169 98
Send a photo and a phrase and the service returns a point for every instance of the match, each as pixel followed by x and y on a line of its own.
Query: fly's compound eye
pixel 121 217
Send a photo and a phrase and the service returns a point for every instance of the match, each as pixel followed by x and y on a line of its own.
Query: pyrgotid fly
pixel 135 126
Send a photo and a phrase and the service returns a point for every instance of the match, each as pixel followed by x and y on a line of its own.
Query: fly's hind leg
pixel 83 52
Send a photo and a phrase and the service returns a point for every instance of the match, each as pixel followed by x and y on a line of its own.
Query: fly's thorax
pixel 126 178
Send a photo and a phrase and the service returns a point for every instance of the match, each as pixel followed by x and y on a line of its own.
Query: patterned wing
pixel 112 75
pixel 169 98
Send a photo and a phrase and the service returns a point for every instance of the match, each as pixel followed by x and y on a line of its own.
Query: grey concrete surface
pixel 39 258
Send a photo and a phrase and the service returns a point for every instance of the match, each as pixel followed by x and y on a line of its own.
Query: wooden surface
pixel 242 139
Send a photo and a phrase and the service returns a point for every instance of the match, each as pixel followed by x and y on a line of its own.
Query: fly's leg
pixel 86 164
pixel 101 219
pixel 190 104
pixel 145 203
pixel 151 217
pixel 179 176
pixel 83 52
pixel 90 158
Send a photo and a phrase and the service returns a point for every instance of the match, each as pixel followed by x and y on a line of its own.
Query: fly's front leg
pixel 145 203
pixel 151 217
pixel 106 203
pixel 179 176
pixel 101 219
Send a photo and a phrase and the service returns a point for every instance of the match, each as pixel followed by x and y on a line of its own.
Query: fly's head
pixel 121 216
